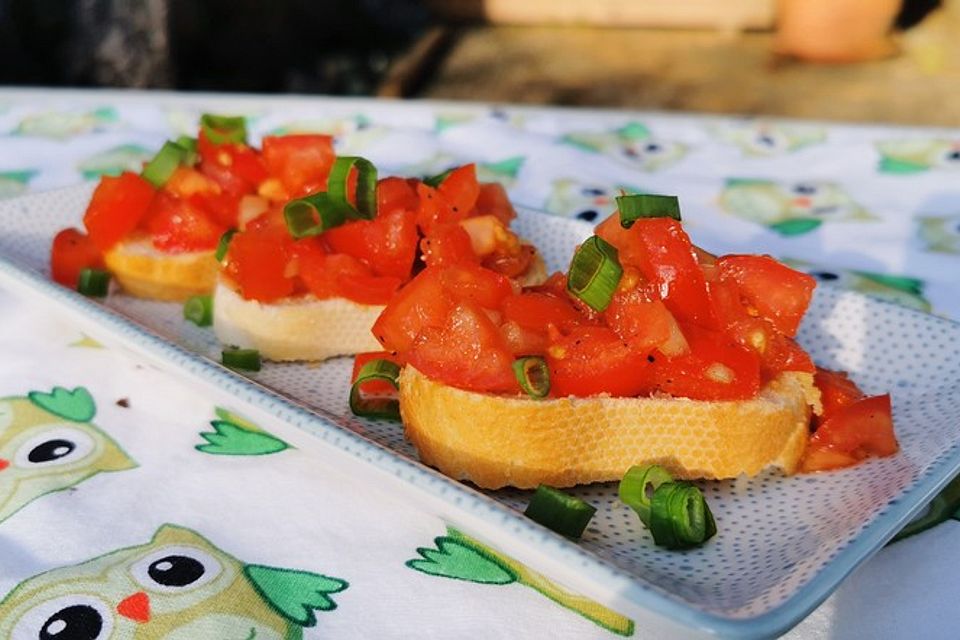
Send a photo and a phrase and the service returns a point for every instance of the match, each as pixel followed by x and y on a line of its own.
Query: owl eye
pixel 54 447
pixel 826 276
pixel 804 189
pixel 593 192
pixel 175 569
pixel 653 148
pixel 589 215
pixel 952 157
pixel 72 617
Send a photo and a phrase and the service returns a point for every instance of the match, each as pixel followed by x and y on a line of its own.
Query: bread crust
pixel 497 441
pixel 146 272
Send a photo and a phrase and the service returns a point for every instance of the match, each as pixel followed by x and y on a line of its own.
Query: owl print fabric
pixel 135 506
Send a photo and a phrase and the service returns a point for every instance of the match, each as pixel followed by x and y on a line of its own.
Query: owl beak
pixel 4 464
pixel 136 607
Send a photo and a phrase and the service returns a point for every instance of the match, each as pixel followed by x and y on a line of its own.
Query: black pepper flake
pixel 124 402
pixel 650 358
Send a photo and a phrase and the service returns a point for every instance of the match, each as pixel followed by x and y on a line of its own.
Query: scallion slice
pixel 94 283
pixel 595 272
pixel 313 214
pixel 366 193
pixel 560 512
pixel 435 181
pixel 224 129
pixel 638 486
pixel 199 310
pixel 236 358
pixel 189 145
pixel 679 516
pixel 224 244
pixel 162 166
pixel 376 407
pixel 533 375
pixel 634 207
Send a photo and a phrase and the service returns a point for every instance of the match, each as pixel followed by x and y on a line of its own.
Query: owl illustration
pixel 176 587
pixel 632 144
pixel 114 161
pixel 912 156
pixel 940 234
pixel 13 183
pixel 902 290
pixel 790 209
pixel 585 201
pixel 352 134
pixel 47 444
pixel 766 139
pixel 61 125
pixel 504 171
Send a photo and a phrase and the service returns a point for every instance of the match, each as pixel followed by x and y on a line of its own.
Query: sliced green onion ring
pixel 437 180
pixel 189 146
pixel 594 273
pixel 639 484
pixel 94 283
pixel 366 193
pixel 633 207
pixel 199 310
pixel 224 129
pixel 388 408
pixel 533 375
pixel 246 359
pixel 680 517
pixel 560 512
pixel 312 215
pixel 162 166
pixel 224 244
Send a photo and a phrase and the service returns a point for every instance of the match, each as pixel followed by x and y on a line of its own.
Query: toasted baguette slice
pixel 305 328
pixel 496 441
pixel 145 272
pixel 301 328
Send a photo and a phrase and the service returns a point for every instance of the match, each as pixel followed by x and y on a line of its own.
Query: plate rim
pixel 626 590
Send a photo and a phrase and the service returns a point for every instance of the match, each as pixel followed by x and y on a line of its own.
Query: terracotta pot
pixel 836 30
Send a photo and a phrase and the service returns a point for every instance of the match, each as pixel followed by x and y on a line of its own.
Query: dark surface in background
pixel 325 46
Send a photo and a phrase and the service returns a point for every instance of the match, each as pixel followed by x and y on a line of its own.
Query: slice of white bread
pixel 300 328
pixel 146 272
pixel 497 441
pixel 305 328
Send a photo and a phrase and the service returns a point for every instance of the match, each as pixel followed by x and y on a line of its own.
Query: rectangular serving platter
pixel 784 543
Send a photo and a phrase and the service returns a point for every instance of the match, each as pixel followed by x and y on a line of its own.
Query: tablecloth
pixel 154 508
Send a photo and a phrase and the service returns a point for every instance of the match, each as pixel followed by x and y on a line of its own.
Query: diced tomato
pixel 522 341
pixel 223 207
pixel 475 284
pixel 592 360
pixel 777 292
pixel 460 189
pixel 181 224
pixel 322 273
pixel 825 459
pixel 512 264
pixel 236 167
pixel 534 311
pixel 395 194
pixel 860 429
pixel 116 208
pixel 421 303
pixel 466 351
pixel 660 248
pixel 447 244
pixel 380 388
pixel 387 244
pixel 434 209
pixel 641 321
pixel 715 368
pixel 187 181
pixel 301 162
pixel 493 200
pixel 249 165
pixel 257 260
pixel 777 352
pixel 72 252
pixel 836 390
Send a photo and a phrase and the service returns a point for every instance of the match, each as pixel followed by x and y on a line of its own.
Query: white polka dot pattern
pixel 776 533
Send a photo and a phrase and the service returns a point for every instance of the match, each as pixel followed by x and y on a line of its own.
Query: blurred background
pixel 864 60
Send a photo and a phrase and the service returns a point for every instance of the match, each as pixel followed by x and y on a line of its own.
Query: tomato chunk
pixel 777 292
pixel 460 189
pixel 181 224
pixel 257 261
pixel 421 303
pixel 536 311
pixel 302 163
pixel 387 244
pixel 592 360
pixel 397 194
pixel 837 390
pixel 493 200
pixel 475 284
pixel 72 252
pixel 860 429
pixel 116 208
pixel 715 368
pixel 641 321
pixel 466 351
pixel 447 244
